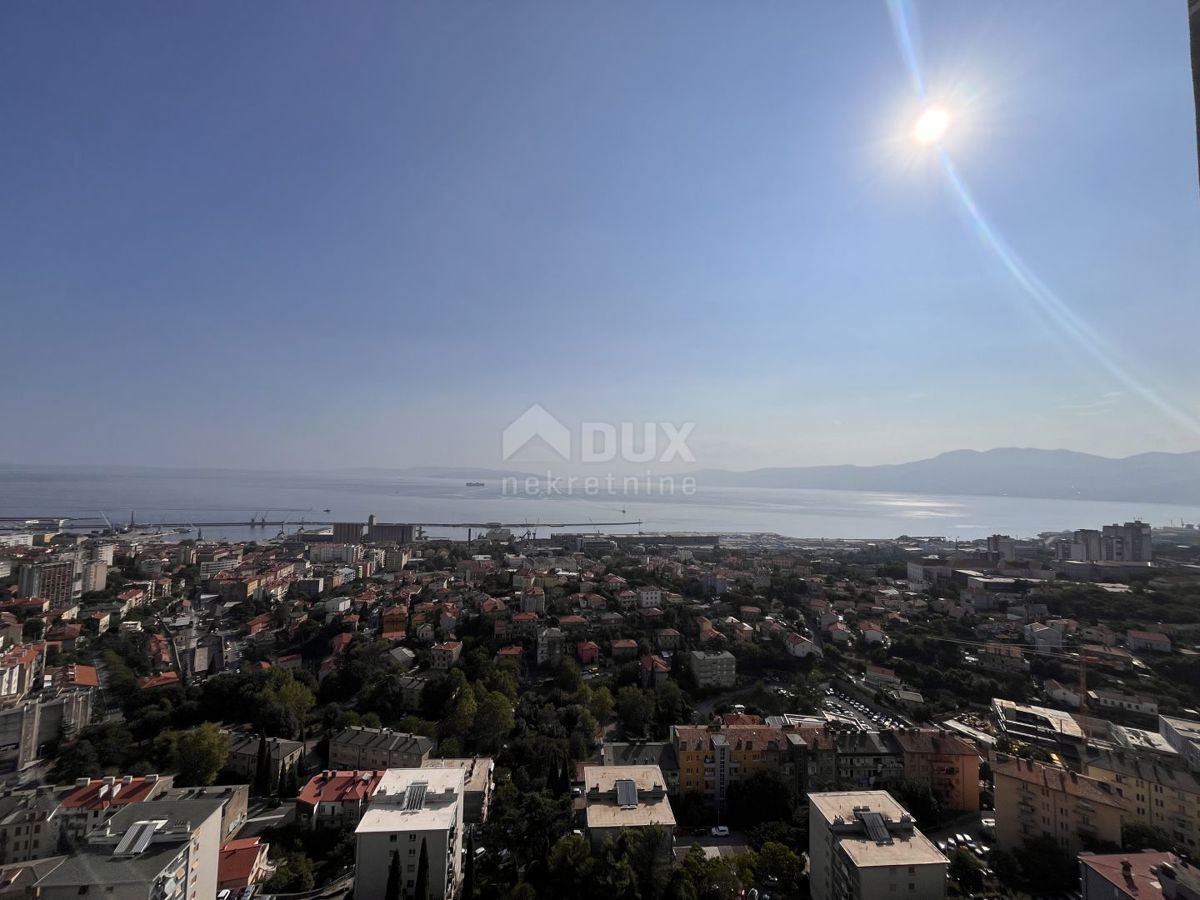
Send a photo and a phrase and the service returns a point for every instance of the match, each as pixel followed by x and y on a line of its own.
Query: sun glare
pixel 931 125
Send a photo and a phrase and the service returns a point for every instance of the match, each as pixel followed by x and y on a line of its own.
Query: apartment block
pixel 1158 790
pixel 622 797
pixel 712 757
pixel 718 669
pixel 1036 800
pixel 949 763
pixel 358 747
pixel 863 845
pixel 169 852
pixel 411 810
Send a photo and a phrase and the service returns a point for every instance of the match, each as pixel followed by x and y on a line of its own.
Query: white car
pixel 720 831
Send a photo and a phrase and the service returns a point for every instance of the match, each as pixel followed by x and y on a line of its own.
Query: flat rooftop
pixel 414 800
pixel 844 810
pixel 626 797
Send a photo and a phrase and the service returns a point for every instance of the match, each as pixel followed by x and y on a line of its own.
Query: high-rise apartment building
pixel 413 812
pixel 863 845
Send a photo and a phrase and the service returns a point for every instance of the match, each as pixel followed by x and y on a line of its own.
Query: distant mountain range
pixel 1004 472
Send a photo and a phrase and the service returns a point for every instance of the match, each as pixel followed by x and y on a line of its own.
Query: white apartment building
pixel 863 845
pixel 412 808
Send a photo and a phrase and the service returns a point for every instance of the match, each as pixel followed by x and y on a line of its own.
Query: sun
pixel 931 125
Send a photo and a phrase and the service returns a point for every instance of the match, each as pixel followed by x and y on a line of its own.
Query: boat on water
pixel 474 484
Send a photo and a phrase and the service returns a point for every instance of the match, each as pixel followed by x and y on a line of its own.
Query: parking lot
pixel 968 832
pixel 848 706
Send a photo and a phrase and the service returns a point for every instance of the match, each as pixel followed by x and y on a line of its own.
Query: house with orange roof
pixel 336 798
pixel 161 680
pixel 587 652
pixel 94 800
pixel 623 649
pixel 243 862
pixel 444 655
pixel 655 671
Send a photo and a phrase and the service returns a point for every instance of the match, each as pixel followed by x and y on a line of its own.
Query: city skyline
pixel 247 237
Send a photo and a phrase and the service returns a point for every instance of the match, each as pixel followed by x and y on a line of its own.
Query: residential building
pixel 1159 791
pixel 712 757
pixel 53 579
pixel 867 759
pixel 412 811
pixel 713 669
pixel 92 801
pixel 551 643
pixel 28 825
pixel 1118 701
pixel 284 755
pixel 358 747
pixel 234 800
pixel 1036 800
pixel 243 862
pixel 643 753
pixel 1137 876
pixel 1184 736
pixel 169 853
pixel 95 577
pixel 444 655
pixel 1150 641
pixel 44 718
pixel 947 762
pixel 478 784
pixel 863 845
pixel 621 797
pixel 336 799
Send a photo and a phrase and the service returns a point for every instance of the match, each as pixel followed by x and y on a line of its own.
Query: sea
pixel 162 498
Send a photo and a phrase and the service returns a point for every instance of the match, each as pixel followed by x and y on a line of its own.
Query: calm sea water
pixel 173 495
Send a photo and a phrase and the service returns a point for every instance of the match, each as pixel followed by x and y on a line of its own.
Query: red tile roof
pixel 342 786
pixel 237 862
pixel 163 679
pixel 97 794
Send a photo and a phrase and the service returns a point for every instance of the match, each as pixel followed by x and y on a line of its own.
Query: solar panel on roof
pixel 137 838
pixel 626 793
pixel 415 798
pixel 877 829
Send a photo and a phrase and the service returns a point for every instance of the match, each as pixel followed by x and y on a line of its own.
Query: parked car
pixel 720 831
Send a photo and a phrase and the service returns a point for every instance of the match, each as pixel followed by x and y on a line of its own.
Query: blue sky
pixel 318 234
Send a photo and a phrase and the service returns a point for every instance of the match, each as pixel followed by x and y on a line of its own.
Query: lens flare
pixel 931 125
pixel 930 128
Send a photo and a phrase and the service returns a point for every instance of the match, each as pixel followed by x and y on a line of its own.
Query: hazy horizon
pixel 306 236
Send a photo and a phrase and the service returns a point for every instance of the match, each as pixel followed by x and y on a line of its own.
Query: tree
pixel 601 704
pixel 392 890
pixel 264 778
pixel 569 866
pixel 779 867
pixel 634 709
pixel 1137 836
pixel 468 885
pixel 965 870
pixel 765 796
pixel 421 889
pixel 919 799
pixel 493 721
pixel 567 678
pixel 679 886
pixel 201 753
